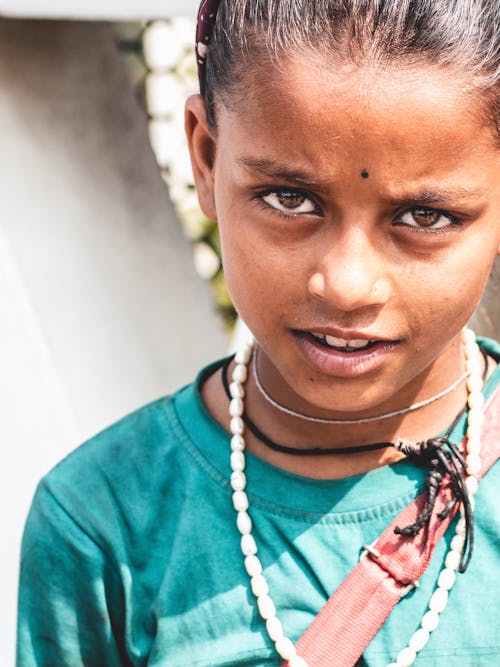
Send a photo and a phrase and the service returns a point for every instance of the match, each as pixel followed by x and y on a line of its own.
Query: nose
pixel 351 274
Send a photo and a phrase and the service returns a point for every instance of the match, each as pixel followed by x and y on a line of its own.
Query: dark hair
pixel 464 34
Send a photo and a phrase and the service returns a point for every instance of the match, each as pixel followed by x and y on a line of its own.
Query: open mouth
pixel 344 357
pixel 343 345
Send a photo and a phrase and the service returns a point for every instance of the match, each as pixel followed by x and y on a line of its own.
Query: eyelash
pixel 454 221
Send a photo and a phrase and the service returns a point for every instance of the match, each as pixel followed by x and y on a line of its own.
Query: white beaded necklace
pixel 284 646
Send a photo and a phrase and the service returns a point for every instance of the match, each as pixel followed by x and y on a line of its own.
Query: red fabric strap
pixel 356 611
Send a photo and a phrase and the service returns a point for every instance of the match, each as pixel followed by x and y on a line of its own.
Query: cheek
pixel 264 280
pixel 443 294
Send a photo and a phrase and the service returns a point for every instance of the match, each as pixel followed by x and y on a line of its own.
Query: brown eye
pixel 290 201
pixel 425 217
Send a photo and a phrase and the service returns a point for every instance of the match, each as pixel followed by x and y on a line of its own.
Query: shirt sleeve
pixel 71 602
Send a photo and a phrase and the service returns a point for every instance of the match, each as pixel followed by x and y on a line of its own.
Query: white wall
pixel 120 10
pixel 100 307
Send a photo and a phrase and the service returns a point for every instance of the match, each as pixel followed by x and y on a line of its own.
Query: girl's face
pixel 359 209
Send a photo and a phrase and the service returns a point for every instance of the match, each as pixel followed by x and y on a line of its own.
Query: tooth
pixel 336 342
pixel 358 343
pixel 318 335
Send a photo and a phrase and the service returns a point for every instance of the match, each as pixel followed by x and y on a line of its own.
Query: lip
pixel 344 364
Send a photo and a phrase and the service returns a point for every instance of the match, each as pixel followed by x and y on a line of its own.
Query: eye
pixel 290 201
pixel 426 218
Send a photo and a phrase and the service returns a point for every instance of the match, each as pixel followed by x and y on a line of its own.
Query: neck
pixel 428 423
pixel 422 424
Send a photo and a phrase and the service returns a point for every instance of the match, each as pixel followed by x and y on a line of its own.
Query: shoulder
pixel 136 468
pixel 137 442
pixel 119 476
pixel 129 445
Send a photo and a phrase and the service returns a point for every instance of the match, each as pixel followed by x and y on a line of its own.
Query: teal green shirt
pixel 131 554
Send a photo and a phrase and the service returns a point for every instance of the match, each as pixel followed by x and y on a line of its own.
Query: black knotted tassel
pixel 441 457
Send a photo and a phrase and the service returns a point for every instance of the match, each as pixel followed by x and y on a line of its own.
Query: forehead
pixel 423 118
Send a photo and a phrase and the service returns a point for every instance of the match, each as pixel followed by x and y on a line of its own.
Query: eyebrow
pixel 273 170
pixel 437 196
pixel 278 172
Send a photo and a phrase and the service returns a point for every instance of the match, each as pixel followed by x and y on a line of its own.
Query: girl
pixel 349 150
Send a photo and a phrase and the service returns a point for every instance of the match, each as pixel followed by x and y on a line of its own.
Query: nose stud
pixel 317 285
pixel 380 291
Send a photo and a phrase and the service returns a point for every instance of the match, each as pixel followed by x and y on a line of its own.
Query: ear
pixel 202 150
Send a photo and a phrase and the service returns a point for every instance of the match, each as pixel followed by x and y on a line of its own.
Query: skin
pixel 310 244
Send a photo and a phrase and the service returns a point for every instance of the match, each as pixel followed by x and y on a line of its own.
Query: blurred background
pixel 104 298
pixel 111 289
